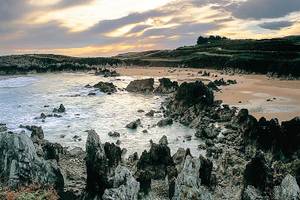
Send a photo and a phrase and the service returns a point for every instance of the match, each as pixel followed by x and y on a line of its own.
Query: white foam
pixel 17 82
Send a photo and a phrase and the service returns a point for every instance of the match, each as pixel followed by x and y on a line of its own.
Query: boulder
pixel 188 182
pixel 166 86
pixel 141 86
pixel 20 165
pixel 125 186
pixel 3 127
pixel 134 124
pixel 150 113
pixel 106 72
pixel 106 87
pixel 288 189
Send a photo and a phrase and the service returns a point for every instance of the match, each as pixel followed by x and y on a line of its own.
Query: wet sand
pixel 271 98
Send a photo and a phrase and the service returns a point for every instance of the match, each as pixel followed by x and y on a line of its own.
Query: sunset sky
pixel 109 27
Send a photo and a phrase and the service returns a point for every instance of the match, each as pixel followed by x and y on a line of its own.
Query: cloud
pixel 276 25
pixel 259 9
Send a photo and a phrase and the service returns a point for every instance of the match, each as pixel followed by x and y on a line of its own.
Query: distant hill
pixel 279 56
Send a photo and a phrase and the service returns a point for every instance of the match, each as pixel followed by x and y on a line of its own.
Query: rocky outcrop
pixel 125 186
pixel 155 164
pixel 165 122
pixel 251 193
pixel 188 183
pixel 106 87
pixel 114 134
pixel 288 189
pixel 101 161
pixel 141 86
pixel 20 165
pixel 166 86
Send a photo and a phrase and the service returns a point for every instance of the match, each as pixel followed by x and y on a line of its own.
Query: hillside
pixel 279 56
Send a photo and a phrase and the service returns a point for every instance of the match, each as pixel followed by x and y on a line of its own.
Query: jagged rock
pixel 258 173
pixel 134 124
pixel 96 165
pixel 166 86
pixel 106 87
pixel 101 161
pixel 150 113
pixel 165 122
pixel 163 140
pixel 288 189
pixel 125 187
pixel 144 86
pixel 251 193
pixel 213 86
pixel 20 165
pixel 210 132
pixel 179 158
pixel 37 133
pixel 205 171
pixel 155 164
pixel 114 134
pixel 188 182
pixel 291 135
pixel 193 93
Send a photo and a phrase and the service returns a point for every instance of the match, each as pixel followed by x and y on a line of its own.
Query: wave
pixel 17 82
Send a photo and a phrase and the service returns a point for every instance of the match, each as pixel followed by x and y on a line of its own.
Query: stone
pixel 134 124
pixel 113 134
pixel 288 189
pixel 106 87
pixel 163 140
pixel 141 86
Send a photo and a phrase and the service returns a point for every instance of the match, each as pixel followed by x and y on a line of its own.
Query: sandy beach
pixel 264 97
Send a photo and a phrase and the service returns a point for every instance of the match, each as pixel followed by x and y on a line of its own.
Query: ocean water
pixel 24 98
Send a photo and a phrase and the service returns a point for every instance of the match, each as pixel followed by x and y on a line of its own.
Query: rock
pixel 251 193
pixel 231 82
pixel 20 165
pixel 179 158
pixel 145 131
pixel 209 132
pixel 106 87
pixel 140 111
pixel 150 113
pixel 205 171
pixel 52 150
pixel 134 124
pixel 118 142
pixel 76 138
pixel 291 135
pixel 91 94
pixel 165 122
pixel 43 116
pixel 144 86
pixel 188 183
pixel 258 165
pixel 213 86
pixel 37 133
pixel 106 72
pixel 163 140
pixel 61 109
pixel 101 161
pixel 288 189
pixel 77 151
pixel 155 164
pixel 193 93
pixel 114 134
pixel 166 86
pixel 125 186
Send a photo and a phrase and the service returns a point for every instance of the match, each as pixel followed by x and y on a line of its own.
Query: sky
pixel 109 27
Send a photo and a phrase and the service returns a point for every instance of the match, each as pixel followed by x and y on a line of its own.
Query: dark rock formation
pixel 150 113
pixel 141 86
pixel 106 72
pixel 106 87
pixel 21 166
pixel 166 86
pixel 288 189
pixel 114 134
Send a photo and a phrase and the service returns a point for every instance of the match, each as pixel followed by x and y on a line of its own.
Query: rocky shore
pixel 244 158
